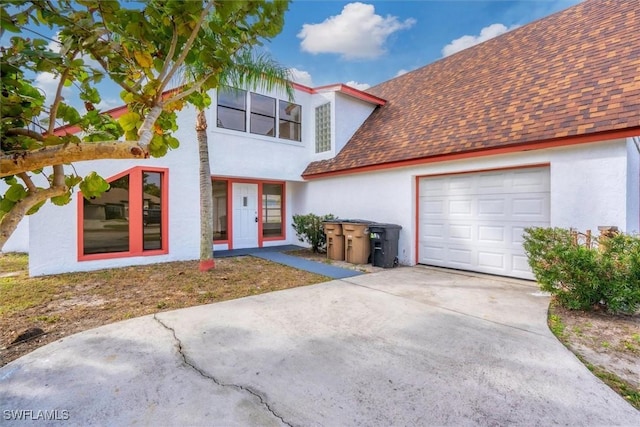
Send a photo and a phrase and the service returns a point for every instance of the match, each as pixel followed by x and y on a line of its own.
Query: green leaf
pixel 93 185
pixel 144 59
pixel 10 180
pixel 52 140
pixel 72 180
pixel 157 147
pixel 15 193
pixel 172 142
pixel 6 205
pixel 35 208
pixel 62 200
pixel 129 121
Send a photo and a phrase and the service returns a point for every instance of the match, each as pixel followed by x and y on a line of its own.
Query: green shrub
pixel 582 278
pixel 309 229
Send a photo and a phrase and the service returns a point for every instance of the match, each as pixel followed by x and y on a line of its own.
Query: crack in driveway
pixel 204 374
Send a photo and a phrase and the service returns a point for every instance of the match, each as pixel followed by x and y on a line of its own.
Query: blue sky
pixel 365 43
pixel 368 42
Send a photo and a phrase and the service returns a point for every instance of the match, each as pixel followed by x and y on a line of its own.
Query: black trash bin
pixel 384 244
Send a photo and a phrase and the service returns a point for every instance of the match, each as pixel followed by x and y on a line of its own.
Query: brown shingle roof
pixel 572 74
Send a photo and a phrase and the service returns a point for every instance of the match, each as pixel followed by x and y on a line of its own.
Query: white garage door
pixel 475 221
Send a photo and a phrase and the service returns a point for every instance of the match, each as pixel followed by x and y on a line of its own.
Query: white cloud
pixel 302 77
pixel 401 72
pixel 486 33
pixel 359 86
pixel 357 33
pixel 48 83
pixel 109 104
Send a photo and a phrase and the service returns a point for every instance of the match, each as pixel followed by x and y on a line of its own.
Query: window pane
pixel 290 130
pixel 323 128
pixel 233 98
pixel 106 220
pixel 219 189
pixel 290 112
pixel 263 125
pixel 152 210
pixel 231 119
pixel 272 210
pixel 263 105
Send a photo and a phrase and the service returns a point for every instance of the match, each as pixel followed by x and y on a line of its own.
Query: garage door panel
pixel 460 207
pixel 460 256
pixel 520 264
pixel 492 208
pixel 531 180
pixel 491 260
pixel 436 187
pixel 491 234
pixel 481 230
pixel 434 254
pixel 530 208
pixel 433 207
pixel 492 184
pixel 460 233
pixel 433 231
pixel 460 184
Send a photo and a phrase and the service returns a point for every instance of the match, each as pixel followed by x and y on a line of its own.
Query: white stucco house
pixel 537 127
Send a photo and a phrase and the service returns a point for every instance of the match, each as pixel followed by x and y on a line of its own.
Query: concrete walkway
pixel 276 254
pixel 408 346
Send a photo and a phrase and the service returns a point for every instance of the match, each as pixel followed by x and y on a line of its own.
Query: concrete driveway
pixel 409 346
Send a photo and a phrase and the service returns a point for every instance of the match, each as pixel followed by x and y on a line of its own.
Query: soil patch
pixel 607 344
pixel 65 304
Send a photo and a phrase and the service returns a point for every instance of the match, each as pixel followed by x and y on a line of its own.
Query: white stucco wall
pixel 53 233
pixel 589 188
pixel 350 114
pixel 19 240
pixel 53 230
pixel 243 154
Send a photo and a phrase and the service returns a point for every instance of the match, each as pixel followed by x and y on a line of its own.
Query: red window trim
pixel 136 227
pixel 260 183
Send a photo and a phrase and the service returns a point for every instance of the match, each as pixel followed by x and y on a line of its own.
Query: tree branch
pixel 26 132
pixel 172 51
pixel 58 176
pixel 186 48
pixel 184 93
pixel 27 181
pixel 53 113
pixel 13 164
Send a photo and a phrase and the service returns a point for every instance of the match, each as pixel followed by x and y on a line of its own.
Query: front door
pixel 245 215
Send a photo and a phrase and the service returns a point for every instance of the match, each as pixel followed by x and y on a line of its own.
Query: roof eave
pixel 537 145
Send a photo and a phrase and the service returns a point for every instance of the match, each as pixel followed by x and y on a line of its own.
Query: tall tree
pixel 143 49
pixel 248 71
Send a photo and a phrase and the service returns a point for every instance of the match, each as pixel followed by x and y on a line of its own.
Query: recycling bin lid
pixel 383 226
pixel 357 221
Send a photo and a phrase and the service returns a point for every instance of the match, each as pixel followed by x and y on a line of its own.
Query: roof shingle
pixel 574 73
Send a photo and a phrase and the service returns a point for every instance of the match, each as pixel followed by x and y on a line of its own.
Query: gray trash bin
pixel 384 244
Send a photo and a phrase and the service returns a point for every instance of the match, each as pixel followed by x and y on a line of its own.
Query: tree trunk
pixel 10 221
pixel 206 197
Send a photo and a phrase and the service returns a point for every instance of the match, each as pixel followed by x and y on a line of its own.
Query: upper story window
pixel 290 121
pixel 267 116
pixel 323 128
pixel 232 108
pixel 263 115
